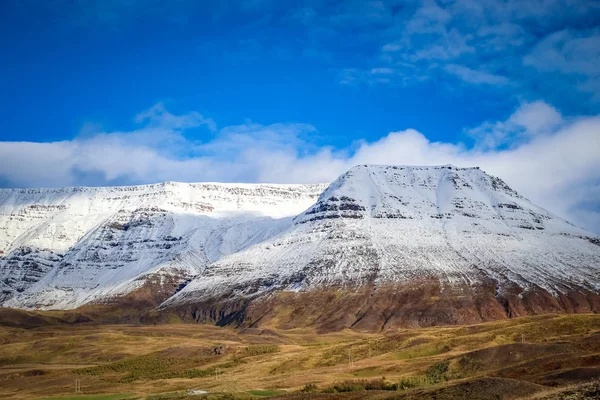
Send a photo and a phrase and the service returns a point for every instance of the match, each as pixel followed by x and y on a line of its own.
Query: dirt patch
pixel 585 391
pixel 333 396
pixel 493 358
pixel 575 374
pixel 478 389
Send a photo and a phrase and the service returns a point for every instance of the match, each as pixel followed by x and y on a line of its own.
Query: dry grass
pixel 165 361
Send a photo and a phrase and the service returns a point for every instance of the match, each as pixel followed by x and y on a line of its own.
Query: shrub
pixel 412 382
pixel 309 388
pixel 361 385
pixel 437 372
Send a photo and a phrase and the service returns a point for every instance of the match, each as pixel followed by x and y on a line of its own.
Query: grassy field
pixel 93 397
pixel 533 357
pixel 266 393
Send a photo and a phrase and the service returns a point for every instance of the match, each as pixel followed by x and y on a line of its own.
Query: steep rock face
pixel 61 248
pixel 468 244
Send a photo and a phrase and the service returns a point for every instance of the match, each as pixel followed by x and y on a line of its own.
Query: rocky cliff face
pixel 382 246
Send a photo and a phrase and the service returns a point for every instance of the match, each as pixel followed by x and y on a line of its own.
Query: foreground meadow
pixel 544 357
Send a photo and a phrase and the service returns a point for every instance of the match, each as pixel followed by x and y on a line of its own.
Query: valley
pixel 43 354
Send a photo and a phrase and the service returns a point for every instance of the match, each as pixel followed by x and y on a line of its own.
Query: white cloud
pixel 528 120
pixel 558 166
pixel 568 53
pixel 352 76
pixel 428 18
pixel 476 76
pixel 349 76
pixel 383 71
pixel 536 117
pixel 493 42
pixel 157 115
pixel 575 55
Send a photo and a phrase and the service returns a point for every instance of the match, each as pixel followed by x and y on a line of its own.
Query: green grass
pixel 438 372
pixel 151 367
pixel 425 350
pixel 92 397
pixel 266 393
pixel 208 396
pixel 258 349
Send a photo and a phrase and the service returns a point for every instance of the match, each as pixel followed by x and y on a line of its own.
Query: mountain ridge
pixel 42 228
pixel 380 246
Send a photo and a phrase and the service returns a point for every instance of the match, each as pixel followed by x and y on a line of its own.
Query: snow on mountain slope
pixel 377 225
pixel 60 248
pixel 381 246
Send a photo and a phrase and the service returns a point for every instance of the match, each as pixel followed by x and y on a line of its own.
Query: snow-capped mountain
pixel 394 226
pixel 381 246
pixel 61 248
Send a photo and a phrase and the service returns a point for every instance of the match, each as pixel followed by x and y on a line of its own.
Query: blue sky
pixel 137 91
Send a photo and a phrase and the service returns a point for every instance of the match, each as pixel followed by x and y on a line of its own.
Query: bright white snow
pixel 62 248
pixel 394 223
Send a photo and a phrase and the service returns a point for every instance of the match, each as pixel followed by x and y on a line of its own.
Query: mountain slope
pixel 380 247
pixel 61 248
pixel 471 247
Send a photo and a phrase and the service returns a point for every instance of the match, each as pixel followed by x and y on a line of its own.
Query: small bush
pixel 266 393
pixel 412 382
pixel 437 372
pixel 309 388
pixel 34 372
pixel 361 385
pixel 344 387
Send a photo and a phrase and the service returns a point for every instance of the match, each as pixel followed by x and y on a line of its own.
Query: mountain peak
pixel 375 167
pixel 443 228
pixel 414 192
